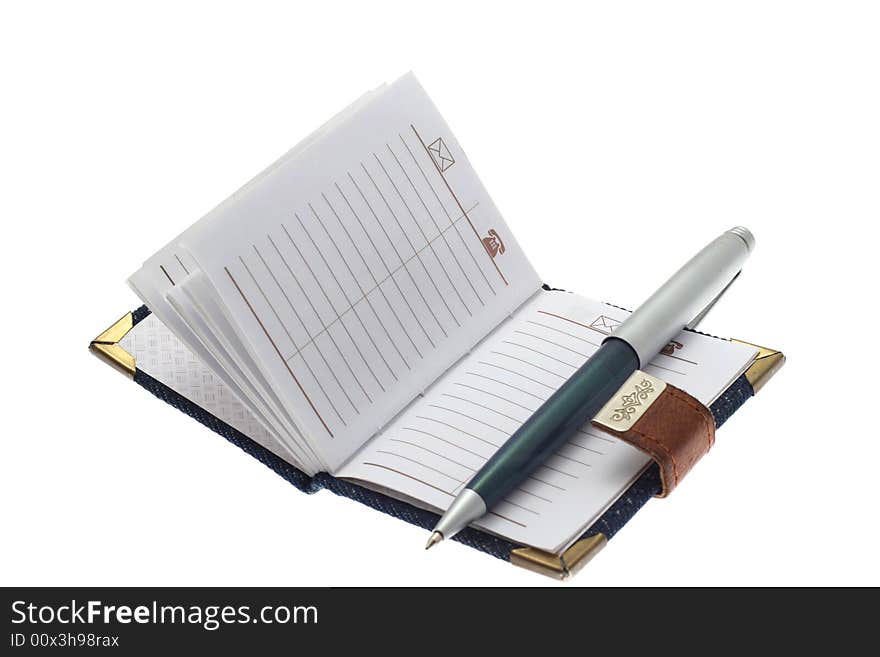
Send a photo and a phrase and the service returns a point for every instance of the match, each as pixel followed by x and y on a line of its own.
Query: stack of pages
pixel 366 303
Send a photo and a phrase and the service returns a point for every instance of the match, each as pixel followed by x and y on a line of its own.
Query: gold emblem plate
pixel 630 402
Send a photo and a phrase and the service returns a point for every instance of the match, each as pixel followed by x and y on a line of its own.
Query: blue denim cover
pixel 617 515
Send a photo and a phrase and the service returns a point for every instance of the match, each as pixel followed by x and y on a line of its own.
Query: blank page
pixel 430 452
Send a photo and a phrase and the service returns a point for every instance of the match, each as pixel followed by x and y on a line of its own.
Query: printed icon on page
pixel 493 243
pixel 440 152
pixel 670 349
pixel 605 324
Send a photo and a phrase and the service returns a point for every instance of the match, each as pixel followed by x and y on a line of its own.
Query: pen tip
pixel 436 537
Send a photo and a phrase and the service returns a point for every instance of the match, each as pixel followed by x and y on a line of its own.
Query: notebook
pixel 361 308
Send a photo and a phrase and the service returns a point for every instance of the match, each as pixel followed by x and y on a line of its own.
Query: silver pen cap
pixel 685 298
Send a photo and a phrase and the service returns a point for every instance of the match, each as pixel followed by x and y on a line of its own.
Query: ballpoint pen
pixel 680 303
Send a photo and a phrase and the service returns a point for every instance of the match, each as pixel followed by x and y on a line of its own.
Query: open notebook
pixel 365 303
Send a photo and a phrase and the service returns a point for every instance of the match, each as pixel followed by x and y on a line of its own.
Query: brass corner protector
pixel 559 566
pixel 106 346
pixel 767 363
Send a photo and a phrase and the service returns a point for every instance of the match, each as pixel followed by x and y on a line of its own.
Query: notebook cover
pixel 560 566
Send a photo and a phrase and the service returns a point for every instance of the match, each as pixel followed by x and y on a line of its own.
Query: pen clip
pixel 696 320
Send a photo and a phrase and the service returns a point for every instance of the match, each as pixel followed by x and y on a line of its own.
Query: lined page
pixel 359 274
pixel 156 284
pixel 172 264
pixel 433 449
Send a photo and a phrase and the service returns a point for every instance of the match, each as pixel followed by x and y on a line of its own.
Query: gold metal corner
pixel 106 346
pixel 766 364
pixel 117 331
pixel 559 566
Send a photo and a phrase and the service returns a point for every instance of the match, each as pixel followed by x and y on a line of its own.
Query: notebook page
pixel 198 312
pixel 431 451
pixel 156 281
pixel 157 276
pixel 359 274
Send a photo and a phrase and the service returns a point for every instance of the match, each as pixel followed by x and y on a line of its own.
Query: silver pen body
pixel 686 294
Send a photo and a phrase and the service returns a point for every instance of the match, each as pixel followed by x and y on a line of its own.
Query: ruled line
pixel 384 264
pixel 299 351
pixel 684 360
pixel 547 483
pixel 470 417
pixel 437 227
pixel 419 463
pixel 448 476
pixel 562 472
pixel 587 449
pixel 448 442
pixel 344 294
pixel 457 202
pixel 484 407
pixel 492 394
pixel 418 255
pixel 535 495
pixel 171 280
pixel 429 243
pixel 265 297
pixel 510 520
pixel 448 217
pixel 527 378
pixel 408 476
pixel 182 266
pixel 457 446
pixel 431 451
pixel 269 337
pixel 305 361
pixel 451 426
pixel 361 287
pixel 567 319
pixel 403 267
pixel 667 369
pixel 543 369
pixel 555 344
pixel 507 500
pixel 596 435
pixel 572 459
pixel 540 353
pixel 571 335
pixel 329 304
pixel 377 283
pixel 509 385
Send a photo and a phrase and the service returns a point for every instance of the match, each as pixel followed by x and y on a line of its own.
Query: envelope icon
pixel 440 152
pixel 605 324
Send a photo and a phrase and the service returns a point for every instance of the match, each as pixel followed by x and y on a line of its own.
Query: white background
pixel 616 138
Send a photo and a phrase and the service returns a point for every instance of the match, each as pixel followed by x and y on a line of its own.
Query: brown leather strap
pixel 676 431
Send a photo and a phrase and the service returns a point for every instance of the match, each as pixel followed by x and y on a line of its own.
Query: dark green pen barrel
pixel 567 410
